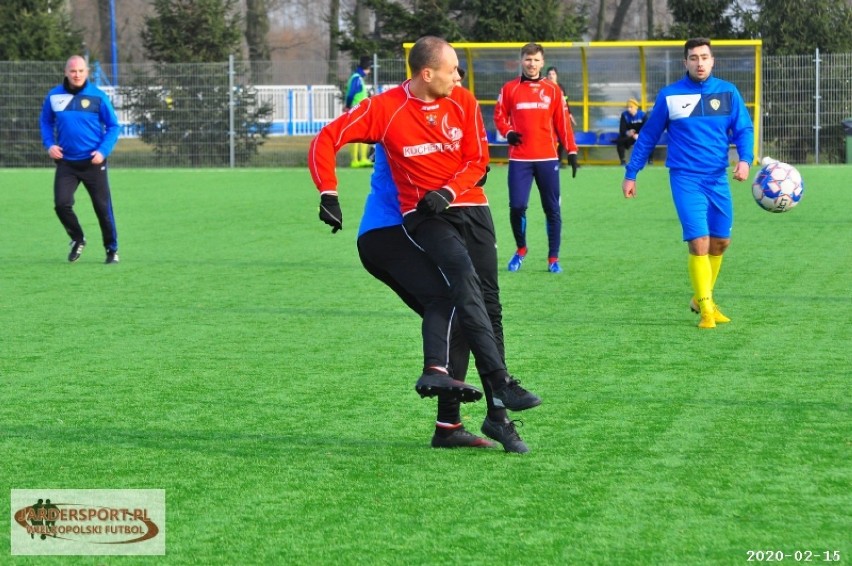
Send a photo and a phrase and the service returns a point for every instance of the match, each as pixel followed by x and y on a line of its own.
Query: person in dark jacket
pixel 79 129
pixel 632 120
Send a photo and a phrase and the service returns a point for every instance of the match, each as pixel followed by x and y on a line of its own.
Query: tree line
pixel 41 30
pixel 187 32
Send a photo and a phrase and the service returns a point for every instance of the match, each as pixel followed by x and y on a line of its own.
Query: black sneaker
pixel 432 384
pixel 512 396
pixel 460 438
pixel 112 256
pixel 504 432
pixel 76 250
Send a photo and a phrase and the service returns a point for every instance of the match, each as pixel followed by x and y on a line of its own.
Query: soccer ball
pixel 778 186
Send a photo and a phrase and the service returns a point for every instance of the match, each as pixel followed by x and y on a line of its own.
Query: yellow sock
pixel 701 276
pixel 353 149
pixel 715 266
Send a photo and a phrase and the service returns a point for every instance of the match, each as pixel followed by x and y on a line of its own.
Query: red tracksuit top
pixel 429 145
pixel 535 109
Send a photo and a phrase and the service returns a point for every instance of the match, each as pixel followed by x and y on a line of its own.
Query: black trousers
pixel 622 144
pixel 392 258
pixel 69 175
pixel 462 243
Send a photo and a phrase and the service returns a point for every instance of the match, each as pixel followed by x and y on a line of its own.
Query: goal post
pixel 599 76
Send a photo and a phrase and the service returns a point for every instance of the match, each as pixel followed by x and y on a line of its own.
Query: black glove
pixel 514 138
pixel 481 182
pixel 435 202
pixel 572 160
pixel 330 213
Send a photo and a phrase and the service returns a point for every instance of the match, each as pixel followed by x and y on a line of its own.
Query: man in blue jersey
pixel 389 255
pixel 702 115
pixel 79 129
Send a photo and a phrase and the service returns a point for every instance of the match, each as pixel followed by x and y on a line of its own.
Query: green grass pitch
pixel 241 359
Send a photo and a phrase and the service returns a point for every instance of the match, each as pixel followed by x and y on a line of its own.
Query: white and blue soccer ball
pixel 778 186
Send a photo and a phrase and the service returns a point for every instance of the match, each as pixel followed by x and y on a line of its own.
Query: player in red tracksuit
pixel 531 114
pixel 437 151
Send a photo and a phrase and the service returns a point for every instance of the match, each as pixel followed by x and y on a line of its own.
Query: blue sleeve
pixel 743 130
pixel 622 125
pixel 648 137
pixel 47 121
pixel 111 127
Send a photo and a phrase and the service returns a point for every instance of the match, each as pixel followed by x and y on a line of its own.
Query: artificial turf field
pixel 240 358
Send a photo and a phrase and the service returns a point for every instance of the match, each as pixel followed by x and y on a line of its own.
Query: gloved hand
pixel 514 138
pixel 572 160
pixel 330 213
pixel 481 182
pixel 435 202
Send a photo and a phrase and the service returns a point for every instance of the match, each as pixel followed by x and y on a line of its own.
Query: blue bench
pixel 610 138
pixel 590 140
pixel 607 138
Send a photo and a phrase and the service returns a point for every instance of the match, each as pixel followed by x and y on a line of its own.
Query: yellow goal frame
pixel 468 53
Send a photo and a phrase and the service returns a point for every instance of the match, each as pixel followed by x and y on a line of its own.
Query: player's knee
pixel 718 246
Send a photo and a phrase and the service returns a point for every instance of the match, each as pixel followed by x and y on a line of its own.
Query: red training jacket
pixel 535 109
pixel 429 145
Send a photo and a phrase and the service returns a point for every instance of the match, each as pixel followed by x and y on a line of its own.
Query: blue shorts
pixel 703 204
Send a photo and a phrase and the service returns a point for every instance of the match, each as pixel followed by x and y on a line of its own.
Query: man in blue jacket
pixel 79 129
pixel 357 90
pixel 703 115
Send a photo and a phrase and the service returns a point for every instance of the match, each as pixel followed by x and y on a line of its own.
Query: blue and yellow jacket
pixel 80 123
pixel 702 119
pixel 356 88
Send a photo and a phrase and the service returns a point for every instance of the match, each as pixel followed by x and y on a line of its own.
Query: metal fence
pixel 806 98
pixel 204 114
